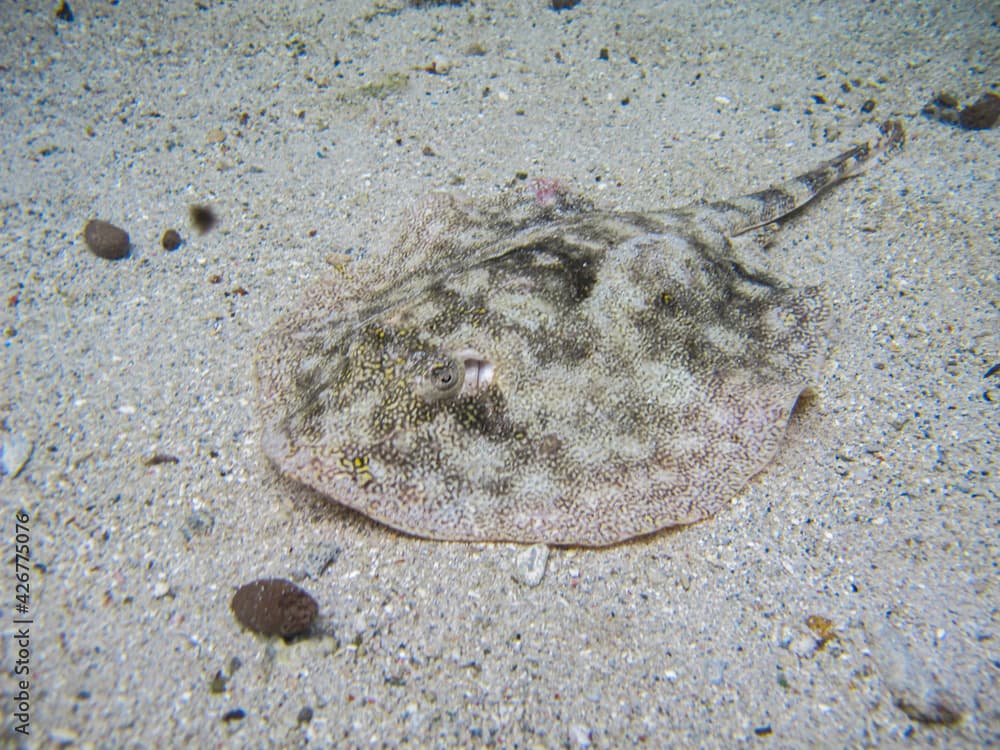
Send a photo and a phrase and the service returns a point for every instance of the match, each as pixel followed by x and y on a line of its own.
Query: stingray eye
pixel 444 376
pixel 442 379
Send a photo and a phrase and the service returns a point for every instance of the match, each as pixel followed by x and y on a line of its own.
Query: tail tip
pixel 893 135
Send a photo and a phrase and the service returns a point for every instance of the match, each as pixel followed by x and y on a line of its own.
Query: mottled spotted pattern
pixel 533 369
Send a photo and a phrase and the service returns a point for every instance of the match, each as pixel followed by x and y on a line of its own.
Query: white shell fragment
pixel 530 563
pixel 15 451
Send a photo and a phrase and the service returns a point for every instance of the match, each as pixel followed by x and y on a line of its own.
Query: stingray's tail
pixel 746 212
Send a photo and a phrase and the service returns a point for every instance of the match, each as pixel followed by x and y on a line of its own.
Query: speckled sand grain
pixel 308 127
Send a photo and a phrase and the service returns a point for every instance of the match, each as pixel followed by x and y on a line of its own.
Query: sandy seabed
pixel 848 597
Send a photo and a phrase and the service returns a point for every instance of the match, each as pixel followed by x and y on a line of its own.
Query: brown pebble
pixel 218 684
pixel 946 100
pixel 161 458
pixel 274 606
pixel 203 218
pixel 64 12
pixel 981 115
pixel 171 239
pixel 106 240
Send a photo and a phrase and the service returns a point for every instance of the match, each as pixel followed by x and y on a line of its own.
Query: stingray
pixel 530 368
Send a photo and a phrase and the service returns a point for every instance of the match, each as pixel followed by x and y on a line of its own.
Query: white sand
pixel 882 503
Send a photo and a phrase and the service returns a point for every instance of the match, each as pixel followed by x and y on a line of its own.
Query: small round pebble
pixel 106 240
pixel 171 239
pixel 274 606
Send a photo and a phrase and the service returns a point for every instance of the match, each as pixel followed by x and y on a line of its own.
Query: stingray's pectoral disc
pixel 536 372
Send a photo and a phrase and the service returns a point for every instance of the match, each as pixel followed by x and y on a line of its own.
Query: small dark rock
pixel 946 100
pixel 218 684
pixel 106 240
pixel 982 114
pixel 203 218
pixel 171 239
pixel 64 12
pixel 161 458
pixel 274 606
pixel 237 714
pixel 305 715
pixel 564 4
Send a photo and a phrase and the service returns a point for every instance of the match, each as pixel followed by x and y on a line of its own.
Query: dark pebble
pixel 981 115
pixel 274 606
pixel 161 458
pixel 203 218
pixel 946 100
pixel 305 715
pixel 64 12
pixel 171 239
pixel 236 714
pixel 218 684
pixel 106 240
